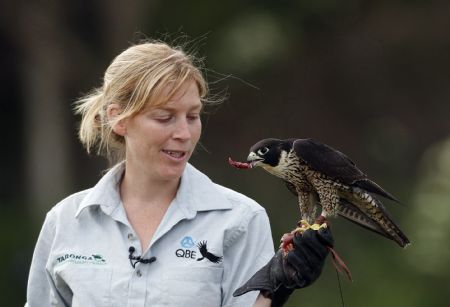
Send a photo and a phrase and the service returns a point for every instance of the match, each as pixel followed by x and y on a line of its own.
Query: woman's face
pixel 160 141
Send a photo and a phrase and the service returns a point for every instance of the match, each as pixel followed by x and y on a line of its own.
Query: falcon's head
pixel 267 153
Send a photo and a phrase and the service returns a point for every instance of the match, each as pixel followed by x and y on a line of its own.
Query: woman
pixel 154 231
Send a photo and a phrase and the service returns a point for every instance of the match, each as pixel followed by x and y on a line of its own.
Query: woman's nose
pixel 182 130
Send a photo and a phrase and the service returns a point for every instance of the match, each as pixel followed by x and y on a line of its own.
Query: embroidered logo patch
pixel 205 254
pixel 187 242
pixel 77 258
pixel 188 250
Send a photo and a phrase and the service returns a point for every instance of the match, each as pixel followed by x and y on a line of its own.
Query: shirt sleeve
pixel 247 249
pixel 41 290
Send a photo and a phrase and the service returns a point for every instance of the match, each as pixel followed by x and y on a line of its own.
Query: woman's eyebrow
pixel 172 109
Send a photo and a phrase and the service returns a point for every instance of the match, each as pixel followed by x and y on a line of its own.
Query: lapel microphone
pixel 135 259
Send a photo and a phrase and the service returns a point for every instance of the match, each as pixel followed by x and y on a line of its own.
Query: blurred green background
pixel 370 78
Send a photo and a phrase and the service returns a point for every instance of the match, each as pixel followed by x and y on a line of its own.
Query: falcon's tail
pixel 363 209
pixel 354 215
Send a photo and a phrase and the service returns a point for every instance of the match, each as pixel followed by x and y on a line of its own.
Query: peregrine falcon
pixel 321 175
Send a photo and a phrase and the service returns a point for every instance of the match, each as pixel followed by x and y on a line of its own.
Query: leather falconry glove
pixel 294 269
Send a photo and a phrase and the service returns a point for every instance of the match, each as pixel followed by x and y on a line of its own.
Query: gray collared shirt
pixel 82 254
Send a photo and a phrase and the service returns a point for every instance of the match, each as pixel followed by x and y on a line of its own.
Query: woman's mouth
pixel 175 154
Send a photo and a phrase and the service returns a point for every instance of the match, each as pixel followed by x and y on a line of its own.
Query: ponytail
pixel 91 109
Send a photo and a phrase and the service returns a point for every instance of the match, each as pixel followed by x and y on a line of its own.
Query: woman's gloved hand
pixel 294 269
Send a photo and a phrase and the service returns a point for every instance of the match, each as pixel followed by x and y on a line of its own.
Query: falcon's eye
pixel 263 151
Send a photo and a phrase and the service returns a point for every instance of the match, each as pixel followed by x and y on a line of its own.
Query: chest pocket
pixel 89 285
pixel 195 286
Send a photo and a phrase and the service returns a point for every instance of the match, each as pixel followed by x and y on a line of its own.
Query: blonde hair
pixel 138 77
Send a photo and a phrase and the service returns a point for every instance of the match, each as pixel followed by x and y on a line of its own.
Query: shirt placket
pixel 137 286
pixel 137 291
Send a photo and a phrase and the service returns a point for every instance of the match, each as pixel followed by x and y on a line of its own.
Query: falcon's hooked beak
pixel 254 159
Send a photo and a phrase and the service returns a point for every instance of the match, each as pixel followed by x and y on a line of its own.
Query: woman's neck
pixel 145 201
pixel 138 188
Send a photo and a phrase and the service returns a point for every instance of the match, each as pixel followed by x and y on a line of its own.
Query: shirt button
pixel 138 273
pixel 130 236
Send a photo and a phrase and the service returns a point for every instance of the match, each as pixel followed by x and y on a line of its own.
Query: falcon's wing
pixel 327 160
pixel 335 165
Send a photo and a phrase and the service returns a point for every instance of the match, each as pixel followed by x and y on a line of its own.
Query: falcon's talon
pixel 316 226
pixel 303 225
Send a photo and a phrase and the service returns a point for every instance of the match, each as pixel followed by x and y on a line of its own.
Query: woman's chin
pixel 173 172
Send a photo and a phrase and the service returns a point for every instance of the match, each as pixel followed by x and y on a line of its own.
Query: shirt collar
pixel 199 193
pixel 106 192
pixel 196 192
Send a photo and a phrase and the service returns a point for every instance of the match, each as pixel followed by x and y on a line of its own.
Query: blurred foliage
pixel 367 77
pixel 429 219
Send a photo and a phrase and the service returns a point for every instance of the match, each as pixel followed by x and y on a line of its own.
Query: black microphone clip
pixel 135 259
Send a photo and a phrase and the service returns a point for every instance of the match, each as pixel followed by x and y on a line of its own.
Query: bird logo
pixel 205 254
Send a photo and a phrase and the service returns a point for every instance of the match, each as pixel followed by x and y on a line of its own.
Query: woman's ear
pixel 118 126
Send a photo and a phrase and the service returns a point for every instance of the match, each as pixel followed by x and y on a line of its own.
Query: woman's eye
pixel 163 119
pixel 193 116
